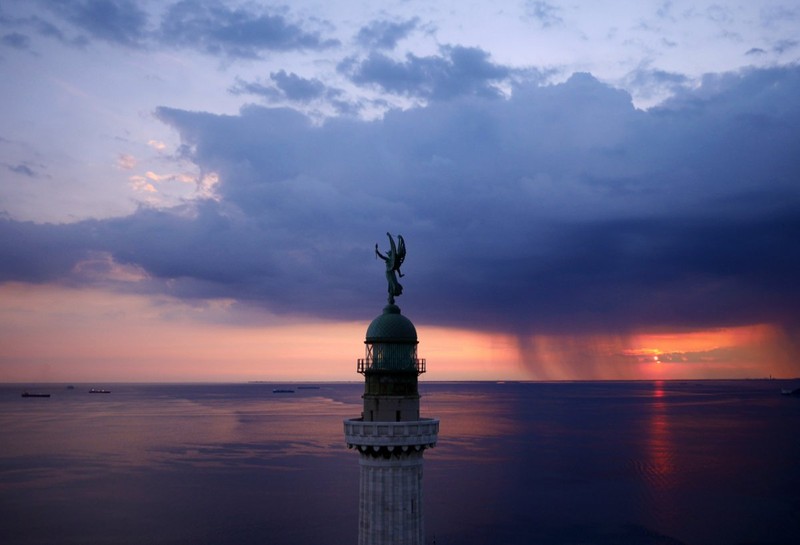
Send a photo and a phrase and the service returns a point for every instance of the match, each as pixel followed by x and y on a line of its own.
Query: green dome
pixel 391 327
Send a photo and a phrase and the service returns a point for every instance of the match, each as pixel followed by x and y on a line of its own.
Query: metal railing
pixel 367 364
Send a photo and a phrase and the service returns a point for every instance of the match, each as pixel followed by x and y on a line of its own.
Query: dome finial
pixel 394 259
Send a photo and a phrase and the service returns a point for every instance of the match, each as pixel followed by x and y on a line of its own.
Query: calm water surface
pixel 697 463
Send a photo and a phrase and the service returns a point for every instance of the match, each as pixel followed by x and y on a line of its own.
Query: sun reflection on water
pixel 659 469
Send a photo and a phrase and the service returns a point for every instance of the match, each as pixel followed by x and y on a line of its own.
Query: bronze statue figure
pixel 393 258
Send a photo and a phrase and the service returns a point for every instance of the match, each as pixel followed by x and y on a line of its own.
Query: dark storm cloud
pixel 298 88
pixel 42 253
pixel 35 25
pixel 645 77
pixel 287 85
pixel 385 34
pixel 560 209
pixel 545 13
pixel 779 47
pixel 775 14
pixel 208 26
pixel 649 82
pixel 457 71
pixel 782 46
pixel 23 169
pixel 16 40
pixel 214 28
pixel 117 21
pixel 267 90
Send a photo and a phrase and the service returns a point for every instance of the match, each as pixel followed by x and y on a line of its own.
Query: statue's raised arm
pixel 394 259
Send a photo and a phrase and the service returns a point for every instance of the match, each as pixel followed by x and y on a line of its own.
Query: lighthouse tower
pixel 390 436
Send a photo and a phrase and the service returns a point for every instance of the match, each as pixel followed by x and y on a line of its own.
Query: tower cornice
pixel 421 433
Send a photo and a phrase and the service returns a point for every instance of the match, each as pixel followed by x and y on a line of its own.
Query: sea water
pixel 665 462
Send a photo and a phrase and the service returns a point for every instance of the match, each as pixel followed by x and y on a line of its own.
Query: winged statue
pixel 394 259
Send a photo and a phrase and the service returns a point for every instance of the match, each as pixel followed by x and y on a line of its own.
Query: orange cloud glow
pixel 62 334
pixel 59 334
pixel 752 351
pixel 50 333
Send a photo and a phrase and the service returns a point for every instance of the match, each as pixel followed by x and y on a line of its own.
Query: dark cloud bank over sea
pixel 559 208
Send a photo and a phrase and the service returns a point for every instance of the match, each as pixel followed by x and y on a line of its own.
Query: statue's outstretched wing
pixel 401 252
pixel 392 264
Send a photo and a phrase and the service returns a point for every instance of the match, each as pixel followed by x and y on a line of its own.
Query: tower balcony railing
pixel 369 364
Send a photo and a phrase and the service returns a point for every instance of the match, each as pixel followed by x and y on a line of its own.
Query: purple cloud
pixel 560 209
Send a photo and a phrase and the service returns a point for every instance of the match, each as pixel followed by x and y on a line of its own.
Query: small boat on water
pixel 308 387
pixel 282 391
pixel 795 392
pixel 97 391
pixel 28 394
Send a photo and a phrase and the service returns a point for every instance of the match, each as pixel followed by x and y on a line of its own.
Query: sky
pixel 192 190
